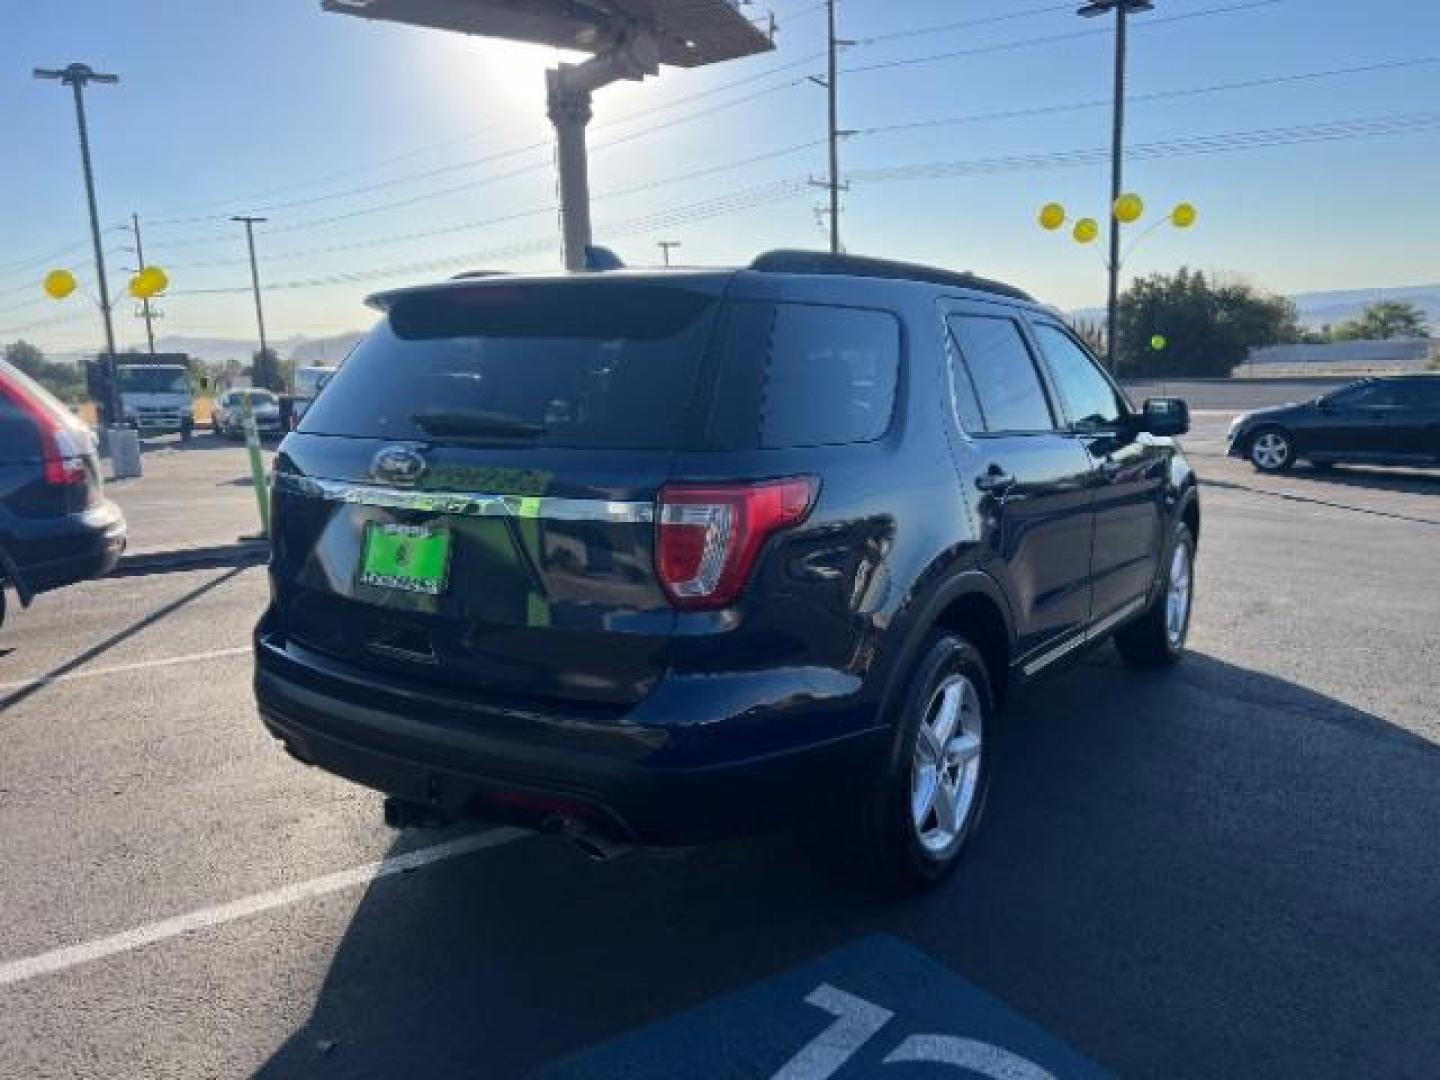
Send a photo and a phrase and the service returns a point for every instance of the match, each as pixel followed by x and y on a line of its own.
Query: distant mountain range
pixel 1316 309
pixel 216 350
pixel 1319 309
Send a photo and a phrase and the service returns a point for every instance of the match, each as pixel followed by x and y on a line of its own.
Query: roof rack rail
pixel 786 261
pixel 466 275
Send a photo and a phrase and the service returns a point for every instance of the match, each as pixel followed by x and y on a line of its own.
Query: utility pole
pixel 77 76
pixel 140 261
pixel 1123 9
pixel 250 223
pixel 665 246
pixel 834 134
pixel 830 88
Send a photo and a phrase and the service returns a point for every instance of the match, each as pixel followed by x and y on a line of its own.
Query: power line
pixel 1008 114
pixel 964 24
pixel 760 195
pixel 1190 146
pixel 1159 95
pixel 781 190
pixel 1052 39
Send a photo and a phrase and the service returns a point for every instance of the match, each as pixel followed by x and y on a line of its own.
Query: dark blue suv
pixel 658 557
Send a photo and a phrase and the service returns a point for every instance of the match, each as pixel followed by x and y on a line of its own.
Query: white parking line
pixel 120 669
pixel 31 967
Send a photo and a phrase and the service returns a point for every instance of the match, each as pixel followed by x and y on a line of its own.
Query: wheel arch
pixel 1190 513
pixel 972 604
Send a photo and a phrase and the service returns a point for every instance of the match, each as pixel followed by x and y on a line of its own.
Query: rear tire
pixel 916 821
pixel 1272 450
pixel 1157 638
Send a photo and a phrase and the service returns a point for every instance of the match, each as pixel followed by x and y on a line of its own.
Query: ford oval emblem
pixel 398 465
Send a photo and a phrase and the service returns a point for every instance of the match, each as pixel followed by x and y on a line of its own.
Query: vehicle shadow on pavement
pixel 1327 495
pixel 1405 481
pixel 1204 872
pixel 100 648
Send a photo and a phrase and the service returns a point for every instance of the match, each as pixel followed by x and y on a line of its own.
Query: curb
pixel 244 553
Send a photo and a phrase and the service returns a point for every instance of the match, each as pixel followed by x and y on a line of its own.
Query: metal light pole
pixel 77 76
pixel 250 223
pixel 665 246
pixel 1122 9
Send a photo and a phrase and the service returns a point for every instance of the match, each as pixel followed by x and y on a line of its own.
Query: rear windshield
pixel 592 365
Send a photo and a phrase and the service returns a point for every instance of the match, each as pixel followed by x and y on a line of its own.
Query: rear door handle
pixel 995 481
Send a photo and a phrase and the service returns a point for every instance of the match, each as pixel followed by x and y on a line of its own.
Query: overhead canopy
pixel 690 33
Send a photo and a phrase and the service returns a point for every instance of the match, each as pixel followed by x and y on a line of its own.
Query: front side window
pixel 1008 394
pixel 1089 398
pixel 1373 395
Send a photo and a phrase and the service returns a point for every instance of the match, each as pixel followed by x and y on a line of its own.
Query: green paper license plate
pixel 408 558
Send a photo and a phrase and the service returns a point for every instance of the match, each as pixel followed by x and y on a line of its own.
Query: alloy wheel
pixel 1177 596
pixel 945 773
pixel 1271 450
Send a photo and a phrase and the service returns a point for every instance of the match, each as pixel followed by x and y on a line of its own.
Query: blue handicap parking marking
pixel 875 1008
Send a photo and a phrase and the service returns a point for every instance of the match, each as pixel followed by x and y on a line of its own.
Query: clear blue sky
pixel 234 107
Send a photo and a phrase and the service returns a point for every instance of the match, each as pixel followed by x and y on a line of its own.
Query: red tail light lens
pixel 710 535
pixel 62 449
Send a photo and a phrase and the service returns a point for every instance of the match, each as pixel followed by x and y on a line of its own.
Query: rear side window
pixel 1002 375
pixel 596 365
pixel 797 375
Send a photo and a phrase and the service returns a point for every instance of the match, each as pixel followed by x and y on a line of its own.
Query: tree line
pixel 1209 327
pixel 67 381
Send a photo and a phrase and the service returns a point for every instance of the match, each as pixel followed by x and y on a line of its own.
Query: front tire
pixel 1157 638
pixel 1272 450
pixel 917 820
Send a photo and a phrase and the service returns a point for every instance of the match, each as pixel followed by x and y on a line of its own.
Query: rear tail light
pixel 62 449
pixel 710 535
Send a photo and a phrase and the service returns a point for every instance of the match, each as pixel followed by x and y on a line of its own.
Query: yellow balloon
pixel 1052 216
pixel 148 282
pixel 59 284
pixel 1087 230
pixel 1129 209
pixel 1184 215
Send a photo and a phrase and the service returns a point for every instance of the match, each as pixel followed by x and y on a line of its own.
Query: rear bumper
pixel 53 552
pixel 462 759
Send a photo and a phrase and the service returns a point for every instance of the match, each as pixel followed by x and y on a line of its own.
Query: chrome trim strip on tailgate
pixel 468 504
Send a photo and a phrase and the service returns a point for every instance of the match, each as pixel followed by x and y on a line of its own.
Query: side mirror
pixel 1165 416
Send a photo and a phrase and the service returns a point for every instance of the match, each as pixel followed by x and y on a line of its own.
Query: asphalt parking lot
pixel 1229 869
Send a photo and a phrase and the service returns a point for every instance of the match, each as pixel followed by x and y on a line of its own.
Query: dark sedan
pixel 1390 421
